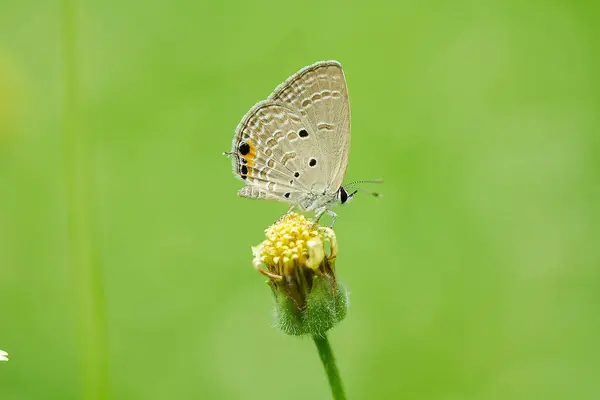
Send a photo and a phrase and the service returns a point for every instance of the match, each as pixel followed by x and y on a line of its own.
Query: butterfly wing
pixel 319 94
pixel 272 150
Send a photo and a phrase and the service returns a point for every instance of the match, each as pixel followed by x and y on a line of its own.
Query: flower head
pixel 309 299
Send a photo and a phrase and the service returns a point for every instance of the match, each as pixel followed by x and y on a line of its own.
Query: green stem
pixel 87 273
pixel 333 375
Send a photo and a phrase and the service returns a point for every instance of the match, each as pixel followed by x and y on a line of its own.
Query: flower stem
pixel 333 375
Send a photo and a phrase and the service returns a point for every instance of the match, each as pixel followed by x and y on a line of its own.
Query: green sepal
pixel 326 305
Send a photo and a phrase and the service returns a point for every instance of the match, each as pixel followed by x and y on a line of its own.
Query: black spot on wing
pixel 244 148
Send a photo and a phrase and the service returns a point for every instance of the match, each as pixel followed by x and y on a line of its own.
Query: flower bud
pixel 308 297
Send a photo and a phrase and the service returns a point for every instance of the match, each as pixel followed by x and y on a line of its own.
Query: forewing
pixel 319 94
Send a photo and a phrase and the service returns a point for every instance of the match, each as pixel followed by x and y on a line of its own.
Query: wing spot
pixel 271 163
pixel 287 157
pixel 296 174
pixel 244 148
pixel 325 125
pixel 287 195
pixel 312 162
pixel 247 152
pixel 303 133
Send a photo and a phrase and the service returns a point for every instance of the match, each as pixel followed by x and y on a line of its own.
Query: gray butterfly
pixel 294 146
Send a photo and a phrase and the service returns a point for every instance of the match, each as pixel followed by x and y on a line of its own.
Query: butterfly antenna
pixel 357 188
pixel 365 181
pixel 351 185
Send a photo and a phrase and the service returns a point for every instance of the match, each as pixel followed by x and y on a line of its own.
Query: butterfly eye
pixel 343 195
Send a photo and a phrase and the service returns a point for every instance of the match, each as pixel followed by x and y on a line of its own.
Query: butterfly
pixel 294 146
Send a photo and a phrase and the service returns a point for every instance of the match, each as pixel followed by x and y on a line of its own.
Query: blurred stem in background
pixel 328 360
pixel 87 274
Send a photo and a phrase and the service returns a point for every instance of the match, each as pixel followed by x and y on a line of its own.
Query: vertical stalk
pixel 87 276
pixel 333 375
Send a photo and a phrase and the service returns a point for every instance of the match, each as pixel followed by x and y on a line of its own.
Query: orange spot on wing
pixel 251 155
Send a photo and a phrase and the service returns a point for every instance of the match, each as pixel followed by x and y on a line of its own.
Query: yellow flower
pixel 302 275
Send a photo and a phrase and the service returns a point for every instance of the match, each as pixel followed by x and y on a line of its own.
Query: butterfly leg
pixel 333 217
pixel 320 213
pixel 286 214
pixel 289 211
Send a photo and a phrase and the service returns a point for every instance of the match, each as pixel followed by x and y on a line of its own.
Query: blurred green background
pixel 477 276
